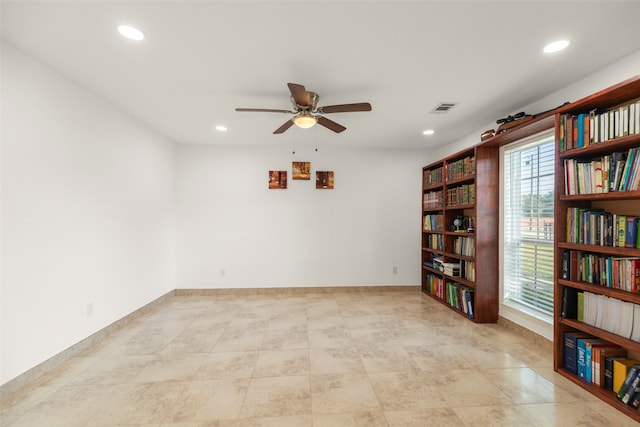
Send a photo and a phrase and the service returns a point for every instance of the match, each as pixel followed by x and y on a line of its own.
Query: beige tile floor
pixel 318 359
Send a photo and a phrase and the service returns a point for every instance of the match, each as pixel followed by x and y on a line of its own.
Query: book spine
pixel 631 375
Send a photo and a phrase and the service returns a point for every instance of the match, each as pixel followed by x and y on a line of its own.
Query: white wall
pixel 353 235
pixel 615 73
pixel 87 214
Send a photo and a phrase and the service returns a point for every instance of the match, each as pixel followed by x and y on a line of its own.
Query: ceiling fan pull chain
pixel 293 142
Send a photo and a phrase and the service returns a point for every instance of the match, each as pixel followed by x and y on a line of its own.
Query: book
pixel 569 303
pixel 599 358
pixel 633 388
pixel 621 368
pixel 584 364
pixel 622 231
pixel 570 265
pixel 631 233
pixel 580 130
pixel 632 373
pixel 635 329
pixel 608 370
pixel 580 307
pixel 591 346
pixel 570 350
pixel 597 354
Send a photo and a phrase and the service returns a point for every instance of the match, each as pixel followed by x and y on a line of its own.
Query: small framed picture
pixel 277 180
pixel 324 180
pixel 301 170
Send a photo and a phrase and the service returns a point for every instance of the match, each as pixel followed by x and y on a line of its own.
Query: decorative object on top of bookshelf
pixel 490 133
pixel 519 119
pixel 509 122
pixel 301 170
pixel 277 180
pixel 324 180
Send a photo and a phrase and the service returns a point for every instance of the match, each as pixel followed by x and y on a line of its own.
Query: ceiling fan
pixel 306 110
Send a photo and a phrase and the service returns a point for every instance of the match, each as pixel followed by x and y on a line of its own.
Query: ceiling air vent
pixel 443 107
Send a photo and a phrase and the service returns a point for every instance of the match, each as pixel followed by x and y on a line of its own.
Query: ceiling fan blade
pixel 264 110
pixel 299 94
pixel 330 124
pixel 286 125
pixel 345 108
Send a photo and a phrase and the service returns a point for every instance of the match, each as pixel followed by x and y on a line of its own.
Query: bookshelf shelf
pixel 607 250
pixel 616 339
pixel 602 290
pixel 615 102
pixel 617 144
pixel 604 395
pixel 616 195
pixel 469 190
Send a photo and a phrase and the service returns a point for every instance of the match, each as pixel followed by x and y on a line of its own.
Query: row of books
pixel 434 241
pixel 460 297
pixel 577 131
pixel 461 168
pixel 610 314
pixel 464 246
pixel 433 222
pixel 604 270
pixel 468 270
pixel 591 226
pixel 432 199
pixel 603 364
pixel 592 359
pixel 434 285
pixel 462 195
pixel 432 177
pixel 609 173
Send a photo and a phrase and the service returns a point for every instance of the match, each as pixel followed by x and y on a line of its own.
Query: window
pixel 527 201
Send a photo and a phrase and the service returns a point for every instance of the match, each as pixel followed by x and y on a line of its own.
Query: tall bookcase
pixel 588 207
pixel 462 187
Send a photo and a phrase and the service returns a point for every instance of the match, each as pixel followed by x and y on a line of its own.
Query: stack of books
pixel 449 268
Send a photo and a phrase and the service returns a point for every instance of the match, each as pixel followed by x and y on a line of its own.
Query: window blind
pixel 528 171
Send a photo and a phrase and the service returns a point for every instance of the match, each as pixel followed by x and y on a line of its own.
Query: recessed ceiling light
pixel 131 32
pixel 221 128
pixel 428 132
pixel 556 46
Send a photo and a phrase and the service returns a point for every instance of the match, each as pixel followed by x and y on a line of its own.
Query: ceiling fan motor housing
pixel 312 102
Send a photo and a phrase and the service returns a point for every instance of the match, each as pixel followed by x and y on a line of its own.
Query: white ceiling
pixel 201 59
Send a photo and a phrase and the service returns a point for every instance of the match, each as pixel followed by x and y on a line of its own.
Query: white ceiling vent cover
pixel 443 107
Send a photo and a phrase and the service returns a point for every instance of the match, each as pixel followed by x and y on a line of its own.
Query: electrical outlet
pixel 223 272
pixel 395 269
pixel 90 309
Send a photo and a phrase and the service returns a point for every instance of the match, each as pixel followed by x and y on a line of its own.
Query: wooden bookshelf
pixel 462 186
pixel 625 203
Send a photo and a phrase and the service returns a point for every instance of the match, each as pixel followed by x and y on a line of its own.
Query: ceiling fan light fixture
pixel 304 121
